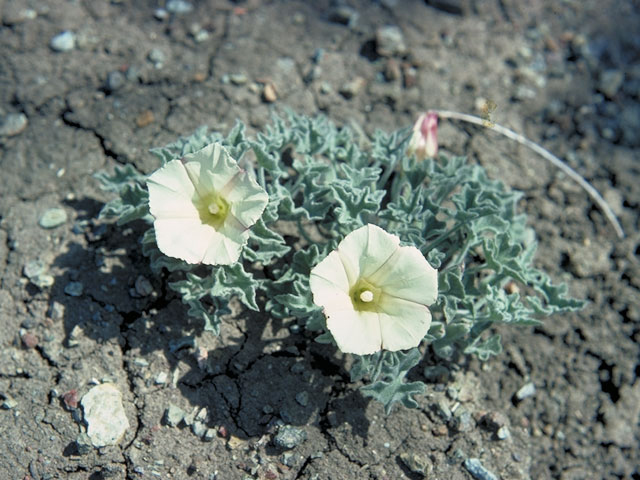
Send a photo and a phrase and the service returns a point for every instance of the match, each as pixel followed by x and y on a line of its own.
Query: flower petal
pixel 327 278
pixel 354 332
pixel 366 250
pixel 403 324
pixel 170 192
pixel 408 275
pixel 248 199
pixel 210 168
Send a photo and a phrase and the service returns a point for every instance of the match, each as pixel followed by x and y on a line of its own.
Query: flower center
pixel 212 209
pixel 365 296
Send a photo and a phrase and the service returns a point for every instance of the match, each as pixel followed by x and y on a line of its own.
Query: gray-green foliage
pixel 323 185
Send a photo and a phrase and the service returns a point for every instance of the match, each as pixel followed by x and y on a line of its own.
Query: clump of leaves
pixel 322 184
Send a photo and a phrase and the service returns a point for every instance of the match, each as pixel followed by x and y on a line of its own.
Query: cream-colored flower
pixel 374 292
pixel 424 140
pixel 203 206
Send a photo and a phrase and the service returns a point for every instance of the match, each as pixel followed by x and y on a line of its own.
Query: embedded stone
pixel 12 124
pixel 52 218
pixel 289 437
pixel 104 415
pixel 63 42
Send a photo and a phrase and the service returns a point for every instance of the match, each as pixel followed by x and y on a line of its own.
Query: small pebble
pixel 353 87
pixel 161 378
pixel 289 437
pixel 28 323
pixel 157 57
pixel 74 289
pixel 527 390
pixel 143 286
pixel 145 118
pixel 12 124
pixel 238 78
pixel 390 41
pixel 29 340
pixel 8 402
pixel 269 94
pixel 179 6
pixel 63 42
pixel 70 399
pixel 416 463
pixel 83 444
pixel 441 408
pixel 503 433
pixel 493 421
pixel 174 415
pixel 52 218
pixel 199 429
pixel 344 15
pixel 302 398
pixel 14 14
pixel 33 268
pixel 477 471
pixel 160 14
pixel 115 80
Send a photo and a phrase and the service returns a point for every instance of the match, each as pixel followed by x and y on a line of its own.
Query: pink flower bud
pixel 424 141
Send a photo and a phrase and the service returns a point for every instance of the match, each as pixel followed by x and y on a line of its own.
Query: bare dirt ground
pixel 564 73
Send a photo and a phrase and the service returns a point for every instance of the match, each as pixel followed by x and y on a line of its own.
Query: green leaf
pixel 491 346
pixel 389 385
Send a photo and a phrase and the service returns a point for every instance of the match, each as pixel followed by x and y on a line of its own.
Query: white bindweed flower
pixel 374 292
pixel 424 140
pixel 203 206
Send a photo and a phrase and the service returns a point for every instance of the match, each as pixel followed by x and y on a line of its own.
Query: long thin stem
pixel 595 195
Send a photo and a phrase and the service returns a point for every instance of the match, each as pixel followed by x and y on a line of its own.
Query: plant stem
pixel 575 176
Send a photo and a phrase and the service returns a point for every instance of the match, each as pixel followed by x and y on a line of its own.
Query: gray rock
pixel 289 437
pixel 14 13
pixel 52 218
pixel 503 433
pixel 157 57
pixel 527 390
pixel 7 401
pixel 441 408
pixel 174 415
pixel 34 268
pixel 610 82
pixel 104 415
pixel 83 444
pixel 416 463
pixel 199 429
pixel 160 14
pixel 115 81
pixel 143 286
pixel 344 15
pixel 238 78
pixel 179 6
pixel 161 378
pixel 462 422
pixel 63 42
pixel 390 41
pixel 477 471
pixel 13 124
pixel 302 398
pixel 74 289
pixel 353 87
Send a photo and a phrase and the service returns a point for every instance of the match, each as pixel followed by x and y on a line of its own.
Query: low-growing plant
pixel 396 247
